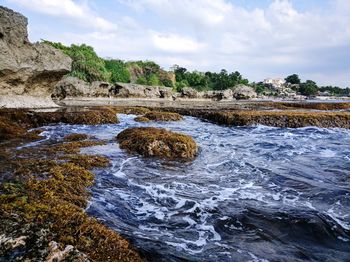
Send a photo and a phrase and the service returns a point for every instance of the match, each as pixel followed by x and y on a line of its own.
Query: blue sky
pixel 259 38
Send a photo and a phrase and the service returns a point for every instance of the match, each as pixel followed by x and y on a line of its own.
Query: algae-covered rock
pixel 11 130
pixel 141 119
pixel 75 137
pixel 30 119
pixel 163 116
pixel 150 141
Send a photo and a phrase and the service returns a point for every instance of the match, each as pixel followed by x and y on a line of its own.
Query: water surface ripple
pixel 252 194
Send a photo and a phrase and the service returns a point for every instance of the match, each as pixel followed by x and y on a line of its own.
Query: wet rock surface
pixel 43 194
pixel 150 141
pixel 163 116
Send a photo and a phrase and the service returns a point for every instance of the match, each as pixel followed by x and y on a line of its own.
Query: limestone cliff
pixel 28 72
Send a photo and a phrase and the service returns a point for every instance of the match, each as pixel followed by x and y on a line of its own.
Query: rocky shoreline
pixel 44 189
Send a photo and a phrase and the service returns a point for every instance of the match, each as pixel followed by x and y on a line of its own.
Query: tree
pixel 179 73
pixel 153 80
pixel 118 70
pixel 293 79
pixel 259 87
pixel 141 80
pixel 309 88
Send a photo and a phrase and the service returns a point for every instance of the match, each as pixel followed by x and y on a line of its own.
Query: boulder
pixel 244 92
pixel 188 92
pixel 28 72
pixel 166 92
pixel 150 141
pixel 100 89
pixel 69 87
pixel 152 91
pixel 226 94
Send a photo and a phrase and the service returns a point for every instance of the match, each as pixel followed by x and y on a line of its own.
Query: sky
pixel 259 38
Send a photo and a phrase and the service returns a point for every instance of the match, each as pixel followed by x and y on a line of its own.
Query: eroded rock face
pixel 125 90
pixel 73 87
pixel 151 141
pixel 28 72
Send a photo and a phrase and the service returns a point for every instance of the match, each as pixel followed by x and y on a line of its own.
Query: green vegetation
pixel 335 90
pixel 149 73
pixel 309 88
pixel 88 66
pixel 293 79
pixel 118 71
pixel 208 80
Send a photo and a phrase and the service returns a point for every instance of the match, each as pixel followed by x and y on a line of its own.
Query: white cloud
pixel 175 44
pixel 68 9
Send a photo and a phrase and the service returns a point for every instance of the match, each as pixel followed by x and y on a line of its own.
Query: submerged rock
pixel 163 116
pixel 150 141
pixel 75 137
pixel 28 72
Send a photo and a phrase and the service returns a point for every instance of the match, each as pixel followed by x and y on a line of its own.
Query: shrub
pixel 118 71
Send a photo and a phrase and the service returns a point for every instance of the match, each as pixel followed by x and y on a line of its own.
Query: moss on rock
pixel 292 119
pixel 304 105
pixel 11 130
pixel 141 119
pixel 150 141
pixel 87 161
pixel 163 116
pixel 75 137
pixel 45 202
pixel 30 119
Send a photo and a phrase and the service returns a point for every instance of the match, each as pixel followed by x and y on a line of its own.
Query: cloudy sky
pixel 259 38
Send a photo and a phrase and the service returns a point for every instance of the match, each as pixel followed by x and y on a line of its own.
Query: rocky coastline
pixel 44 190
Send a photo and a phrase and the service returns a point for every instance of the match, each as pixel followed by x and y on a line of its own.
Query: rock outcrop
pixel 150 141
pixel 125 90
pixel 28 72
pixel 244 92
pixel 73 87
pixel 218 95
pixel 188 92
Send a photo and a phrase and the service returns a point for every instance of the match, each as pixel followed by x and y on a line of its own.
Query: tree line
pixel 88 66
